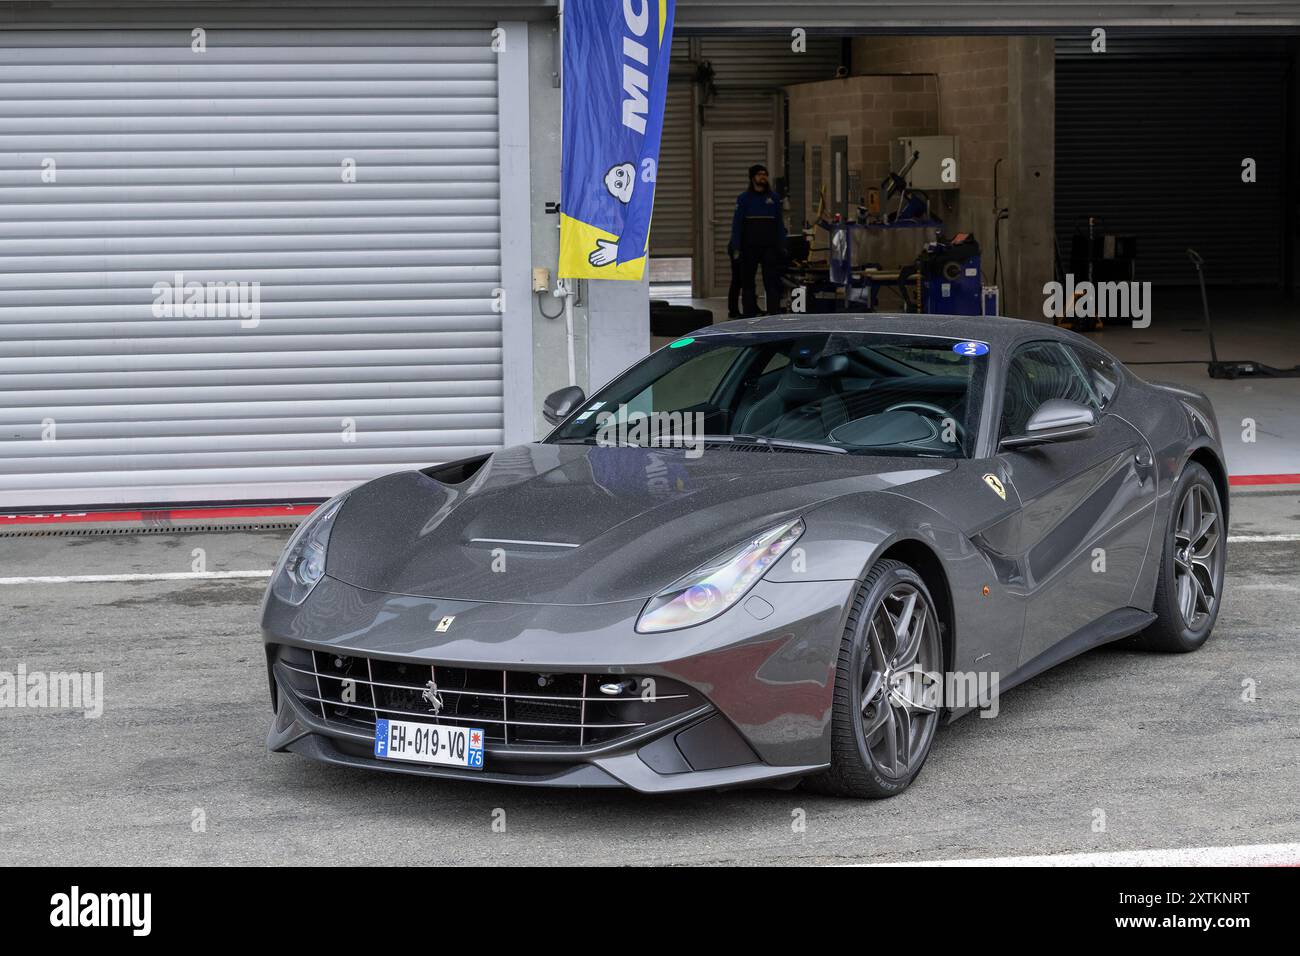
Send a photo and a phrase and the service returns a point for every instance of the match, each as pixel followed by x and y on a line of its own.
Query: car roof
pixel 998 331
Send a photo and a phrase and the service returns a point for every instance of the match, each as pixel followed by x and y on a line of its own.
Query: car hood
pixel 578 524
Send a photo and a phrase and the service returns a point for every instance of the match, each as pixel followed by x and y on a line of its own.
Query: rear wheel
pixel 887 687
pixel 1190 583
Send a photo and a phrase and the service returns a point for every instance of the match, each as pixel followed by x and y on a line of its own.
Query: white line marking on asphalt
pixel 1264 854
pixel 1261 538
pixel 114 578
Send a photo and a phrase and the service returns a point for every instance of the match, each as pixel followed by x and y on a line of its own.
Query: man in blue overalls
pixel 758 239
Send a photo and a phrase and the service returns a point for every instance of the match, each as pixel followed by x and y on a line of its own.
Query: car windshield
pixel 829 392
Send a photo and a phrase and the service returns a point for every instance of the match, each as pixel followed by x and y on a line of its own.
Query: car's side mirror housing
pixel 1057 419
pixel 560 404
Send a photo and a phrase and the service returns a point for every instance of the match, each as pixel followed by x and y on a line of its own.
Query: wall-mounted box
pixel 938 167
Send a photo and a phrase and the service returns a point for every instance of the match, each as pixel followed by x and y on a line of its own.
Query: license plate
pixel 429 743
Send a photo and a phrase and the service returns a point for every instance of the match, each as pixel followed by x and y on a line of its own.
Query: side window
pixel 1102 374
pixel 1039 371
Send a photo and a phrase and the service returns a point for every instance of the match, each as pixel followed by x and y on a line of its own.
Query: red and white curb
pixel 159 515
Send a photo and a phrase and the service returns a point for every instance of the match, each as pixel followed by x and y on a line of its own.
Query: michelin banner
pixel 615 82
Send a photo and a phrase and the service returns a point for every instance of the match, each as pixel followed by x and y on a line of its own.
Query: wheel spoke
pixel 1186 597
pixel 912 636
pixel 891 737
pixel 903 723
pixel 877 650
pixel 1207 522
pixel 901 625
pixel 1202 599
pixel 1204 563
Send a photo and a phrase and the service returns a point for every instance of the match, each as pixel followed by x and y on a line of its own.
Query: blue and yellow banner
pixel 616 56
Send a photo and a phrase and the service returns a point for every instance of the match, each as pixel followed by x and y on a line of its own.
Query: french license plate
pixel 429 743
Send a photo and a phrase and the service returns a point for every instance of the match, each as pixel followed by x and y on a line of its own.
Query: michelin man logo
pixel 620 180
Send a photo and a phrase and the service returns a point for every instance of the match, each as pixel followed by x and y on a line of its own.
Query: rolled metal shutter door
pixel 1150 137
pixel 671 230
pixel 126 158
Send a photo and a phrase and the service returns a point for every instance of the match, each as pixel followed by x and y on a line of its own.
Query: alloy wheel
pixel 900 690
pixel 1198 555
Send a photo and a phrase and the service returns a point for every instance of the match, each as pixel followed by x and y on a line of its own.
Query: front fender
pixel 845 538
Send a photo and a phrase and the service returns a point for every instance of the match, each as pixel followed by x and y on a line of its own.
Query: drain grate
pixel 73 532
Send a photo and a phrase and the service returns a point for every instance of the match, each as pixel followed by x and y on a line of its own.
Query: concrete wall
pixel 1028 254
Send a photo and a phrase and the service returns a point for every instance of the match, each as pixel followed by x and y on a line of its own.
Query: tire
pixel 1173 631
pixel 860 757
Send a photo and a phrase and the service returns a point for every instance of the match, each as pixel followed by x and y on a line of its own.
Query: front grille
pixel 513 707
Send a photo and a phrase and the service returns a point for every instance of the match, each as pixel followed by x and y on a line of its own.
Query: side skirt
pixel 1115 626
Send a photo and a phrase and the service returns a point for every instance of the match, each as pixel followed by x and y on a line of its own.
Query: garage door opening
pixel 1043 135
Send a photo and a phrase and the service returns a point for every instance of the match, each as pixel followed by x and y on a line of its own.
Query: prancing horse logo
pixel 993 482
pixel 432 697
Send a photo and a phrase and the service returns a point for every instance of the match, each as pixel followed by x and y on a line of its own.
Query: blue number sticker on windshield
pixel 970 348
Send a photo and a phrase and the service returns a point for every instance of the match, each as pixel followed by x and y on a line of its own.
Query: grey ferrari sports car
pixel 777 549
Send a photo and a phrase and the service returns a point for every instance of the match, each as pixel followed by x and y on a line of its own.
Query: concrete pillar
pixel 612 319
pixel 1029 175
pixel 550 353
pixel 618 330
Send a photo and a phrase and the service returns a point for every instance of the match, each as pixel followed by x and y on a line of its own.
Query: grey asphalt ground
pixel 1161 749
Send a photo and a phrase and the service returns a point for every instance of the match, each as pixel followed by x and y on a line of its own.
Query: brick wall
pixel 973 96
pixel 996 95
pixel 872 111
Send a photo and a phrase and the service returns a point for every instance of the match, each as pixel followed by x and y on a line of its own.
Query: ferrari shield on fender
pixel 615 83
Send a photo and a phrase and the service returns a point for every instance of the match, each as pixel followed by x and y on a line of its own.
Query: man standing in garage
pixel 758 238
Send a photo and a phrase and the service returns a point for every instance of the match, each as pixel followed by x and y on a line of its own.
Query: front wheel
pixel 1189 588
pixel 887 687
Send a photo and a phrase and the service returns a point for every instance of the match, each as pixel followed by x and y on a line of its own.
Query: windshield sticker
pixel 970 348
pixel 680 342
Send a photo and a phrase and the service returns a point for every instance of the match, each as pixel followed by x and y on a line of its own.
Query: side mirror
pixel 1055 420
pixel 560 404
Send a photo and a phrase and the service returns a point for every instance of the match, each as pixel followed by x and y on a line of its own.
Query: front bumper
pixel 743 699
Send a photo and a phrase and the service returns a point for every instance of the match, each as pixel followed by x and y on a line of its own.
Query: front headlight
pixel 709 590
pixel 303 561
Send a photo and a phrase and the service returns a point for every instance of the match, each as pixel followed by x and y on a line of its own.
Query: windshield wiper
pixel 773 443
